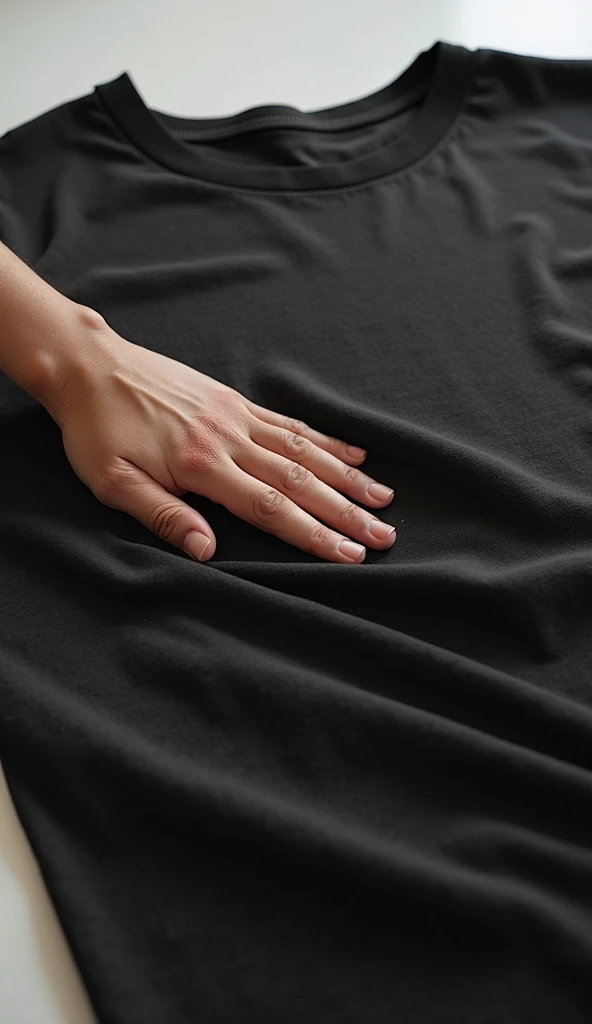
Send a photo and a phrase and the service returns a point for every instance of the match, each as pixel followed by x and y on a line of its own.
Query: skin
pixel 141 430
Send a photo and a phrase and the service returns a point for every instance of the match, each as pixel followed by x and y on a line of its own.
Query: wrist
pixel 46 339
pixel 64 357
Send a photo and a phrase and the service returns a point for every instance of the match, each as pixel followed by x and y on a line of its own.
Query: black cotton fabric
pixel 269 787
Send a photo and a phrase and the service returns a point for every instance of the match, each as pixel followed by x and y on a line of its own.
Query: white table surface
pixel 203 58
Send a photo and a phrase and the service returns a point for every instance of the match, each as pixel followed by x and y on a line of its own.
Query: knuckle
pixel 296 444
pixel 109 482
pixel 235 410
pixel 230 396
pixel 199 455
pixel 296 426
pixel 350 517
pixel 319 538
pixel 212 422
pixel 270 504
pixel 296 478
pixel 352 475
pixel 220 427
pixel 163 519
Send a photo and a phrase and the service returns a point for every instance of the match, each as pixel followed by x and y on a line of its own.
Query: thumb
pixel 135 492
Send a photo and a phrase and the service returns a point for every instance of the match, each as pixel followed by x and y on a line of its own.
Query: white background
pixel 210 58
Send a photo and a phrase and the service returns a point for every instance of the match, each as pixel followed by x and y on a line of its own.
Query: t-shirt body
pixel 270 787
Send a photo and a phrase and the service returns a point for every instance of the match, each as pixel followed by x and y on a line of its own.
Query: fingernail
pixel 196 545
pixel 380 492
pixel 354 551
pixel 380 530
pixel 355 453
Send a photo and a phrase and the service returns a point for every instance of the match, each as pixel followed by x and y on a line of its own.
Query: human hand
pixel 141 429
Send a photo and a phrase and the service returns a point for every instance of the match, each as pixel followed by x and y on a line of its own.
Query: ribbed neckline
pixel 441 74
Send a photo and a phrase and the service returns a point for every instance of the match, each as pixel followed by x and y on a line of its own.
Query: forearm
pixel 42 332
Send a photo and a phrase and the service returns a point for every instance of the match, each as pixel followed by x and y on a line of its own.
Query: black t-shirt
pixel 271 788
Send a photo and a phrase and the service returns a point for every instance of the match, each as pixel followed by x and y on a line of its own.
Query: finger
pixel 273 512
pixel 340 449
pixel 314 496
pixel 126 487
pixel 326 467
